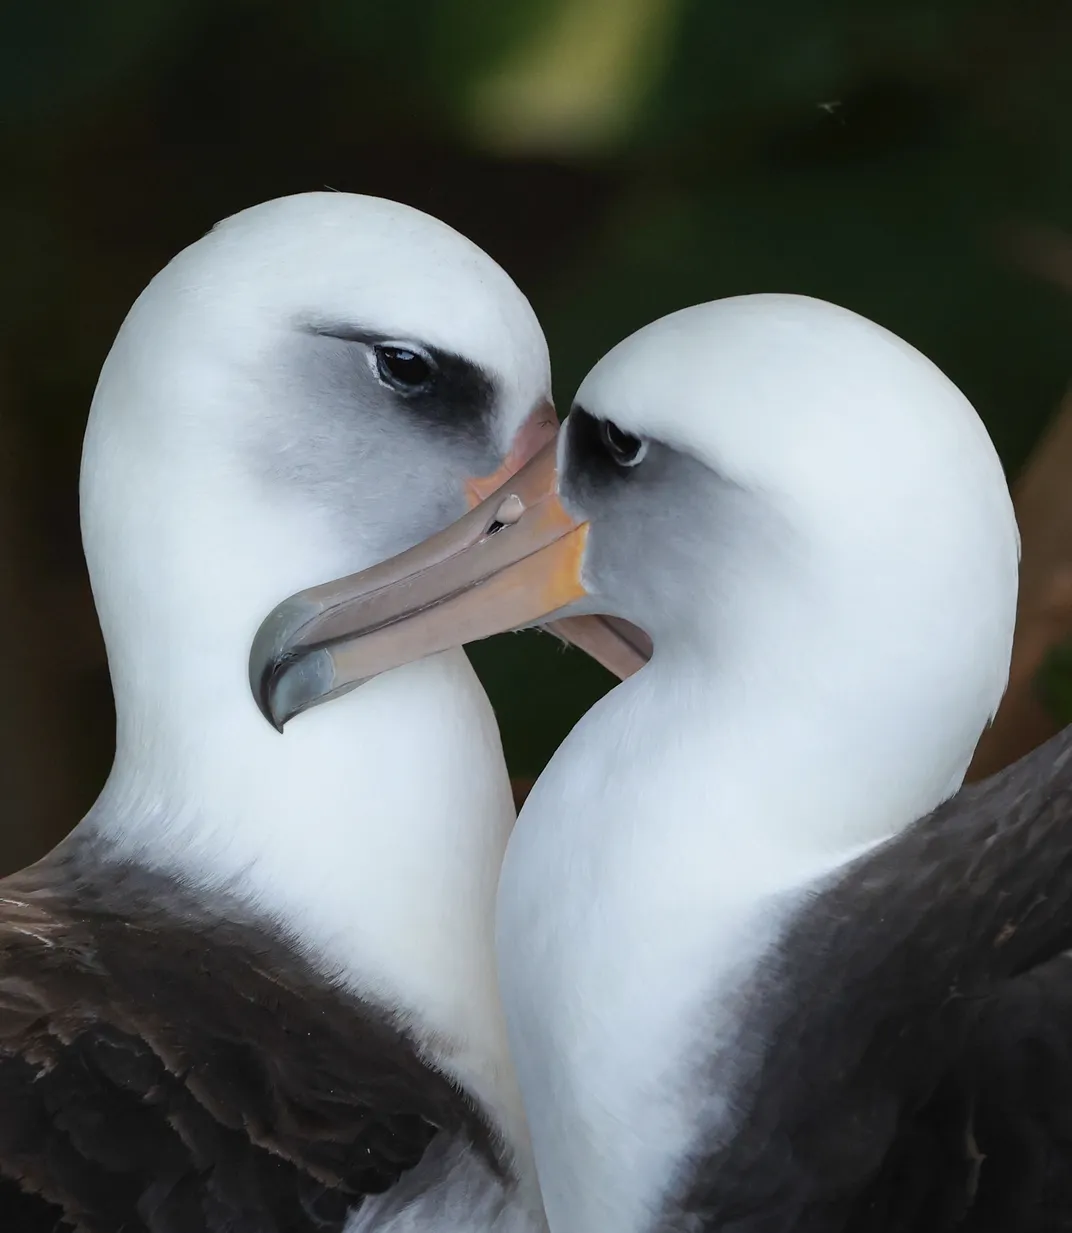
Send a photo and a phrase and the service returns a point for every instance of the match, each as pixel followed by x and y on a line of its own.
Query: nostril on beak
pixel 507 514
pixel 510 510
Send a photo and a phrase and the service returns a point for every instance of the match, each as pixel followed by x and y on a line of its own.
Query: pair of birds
pixel 750 958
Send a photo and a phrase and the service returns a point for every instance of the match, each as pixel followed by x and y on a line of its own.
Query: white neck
pixel 374 827
pixel 660 856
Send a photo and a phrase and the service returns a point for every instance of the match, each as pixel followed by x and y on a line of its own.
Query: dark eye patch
pixel 437 386
pixel 599 451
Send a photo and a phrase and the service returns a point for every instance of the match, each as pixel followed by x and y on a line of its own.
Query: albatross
pixel 766 964
pixel 255 988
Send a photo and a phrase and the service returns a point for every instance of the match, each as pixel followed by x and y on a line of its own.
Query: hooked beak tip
pixel 287 673
pixel 279 674
pixel 262 687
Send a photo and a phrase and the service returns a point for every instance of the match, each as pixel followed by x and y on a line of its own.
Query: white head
pixel 244 442
pixel 818 513
pixel 299 394
pixel 811 522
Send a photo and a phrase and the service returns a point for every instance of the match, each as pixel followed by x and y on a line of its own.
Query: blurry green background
pixel 620 157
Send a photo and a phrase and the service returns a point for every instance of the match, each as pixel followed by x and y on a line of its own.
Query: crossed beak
pixel 514 560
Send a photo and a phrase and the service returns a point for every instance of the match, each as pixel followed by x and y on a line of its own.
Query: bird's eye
pixel 623 447
pixel 403 368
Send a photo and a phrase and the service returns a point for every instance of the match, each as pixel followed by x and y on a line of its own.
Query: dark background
pixel 621 158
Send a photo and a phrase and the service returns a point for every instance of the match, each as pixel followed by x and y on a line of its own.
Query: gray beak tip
pixel 262 678
pixel 283 677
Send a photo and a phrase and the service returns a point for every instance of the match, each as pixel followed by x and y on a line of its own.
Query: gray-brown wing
pixel 907 1051
pixel 167 1070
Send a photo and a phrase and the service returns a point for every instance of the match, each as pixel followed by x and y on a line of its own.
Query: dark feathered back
pixel 169 1069
pixel 908 1050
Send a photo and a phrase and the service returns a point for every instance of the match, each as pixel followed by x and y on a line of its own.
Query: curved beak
pixel 512 561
